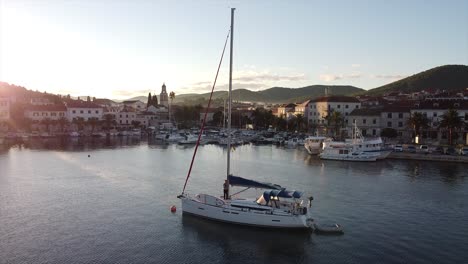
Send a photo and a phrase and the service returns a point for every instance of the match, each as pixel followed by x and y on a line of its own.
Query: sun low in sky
pixel 120 49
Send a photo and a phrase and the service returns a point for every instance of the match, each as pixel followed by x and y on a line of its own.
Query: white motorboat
pixel 346 153
pixel 173 137
pixel 314 144
pixel 275 208
pixel 371 146
pixel 189 140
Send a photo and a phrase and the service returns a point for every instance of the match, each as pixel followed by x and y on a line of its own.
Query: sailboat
pixel 276 207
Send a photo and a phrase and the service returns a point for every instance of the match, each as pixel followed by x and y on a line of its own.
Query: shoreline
pixel 428 157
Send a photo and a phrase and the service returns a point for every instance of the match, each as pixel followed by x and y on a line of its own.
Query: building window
pixel 53 114
pixel 120 121
pixel 400 115
pixel 126 116
pixel 346 106
pixel 400 124
pixel 364 132
pixel 74 112
pixel 346 113
pixel 120 115
pixel 434 114
pixel 374 132
pixel 81 111
pixel 357 106
pixel 389 115
pixel 389 124
pixel 364 121
pixel 338 106
pixel 374 121
pixel 97 112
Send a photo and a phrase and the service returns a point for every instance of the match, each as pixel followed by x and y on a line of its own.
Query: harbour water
pixel 107 201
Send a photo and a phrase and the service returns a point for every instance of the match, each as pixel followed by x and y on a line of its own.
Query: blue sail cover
pixel 239 181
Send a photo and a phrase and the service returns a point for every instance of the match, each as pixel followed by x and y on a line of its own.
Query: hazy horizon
pixel 123 49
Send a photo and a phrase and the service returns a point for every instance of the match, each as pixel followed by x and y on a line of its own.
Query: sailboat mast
pixel 230 97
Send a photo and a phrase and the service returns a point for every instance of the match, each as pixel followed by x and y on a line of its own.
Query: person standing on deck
pixel 226 189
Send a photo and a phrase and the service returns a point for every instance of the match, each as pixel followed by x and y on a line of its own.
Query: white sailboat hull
pixel 244 216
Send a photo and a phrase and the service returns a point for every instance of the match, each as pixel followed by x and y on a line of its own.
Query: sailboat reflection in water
pixel 277 207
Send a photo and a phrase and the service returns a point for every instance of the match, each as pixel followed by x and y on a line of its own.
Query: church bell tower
pixel 163 98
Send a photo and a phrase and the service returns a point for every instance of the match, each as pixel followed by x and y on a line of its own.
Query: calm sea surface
pixel 57 205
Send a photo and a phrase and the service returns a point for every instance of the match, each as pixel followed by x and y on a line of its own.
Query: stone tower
pixel 163 98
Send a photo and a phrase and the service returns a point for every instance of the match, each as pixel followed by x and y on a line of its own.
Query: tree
pixel 451 121
pixel 46 122
pixel 62 122
pixel 417 121
pixel 218 118
pixel 335 120
pixel 135 123
pixel 109 121
pixel 172 96
pixel 79 122
pixel 300 121
pixel 93 122
pixel 149 100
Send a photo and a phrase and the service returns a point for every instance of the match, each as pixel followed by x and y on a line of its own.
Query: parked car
pixel 450 151
pixel 424 149
pixel 411 149
pixel 398 148
pixel 463 151
pixel 438 150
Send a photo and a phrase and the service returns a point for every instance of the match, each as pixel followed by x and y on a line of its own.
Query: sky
pixel 121 49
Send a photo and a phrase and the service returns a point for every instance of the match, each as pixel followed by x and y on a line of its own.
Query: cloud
pixel 390 76
pixel 253 76
pixel 355 65
pixel 194 88
pixel 336 77
pixel 330 77
pixel 130 93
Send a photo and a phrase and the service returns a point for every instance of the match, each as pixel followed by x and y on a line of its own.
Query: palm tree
pixel 335 120
pixel 451 121
pixel 417 121
pixel 172 97
pixel 299 121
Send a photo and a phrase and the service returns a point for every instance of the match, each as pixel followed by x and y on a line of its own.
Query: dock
pixel 428 157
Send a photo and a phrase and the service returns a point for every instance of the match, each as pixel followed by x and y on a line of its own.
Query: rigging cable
pixel 206 113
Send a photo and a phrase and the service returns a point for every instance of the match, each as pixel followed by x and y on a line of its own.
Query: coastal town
pixel 434 119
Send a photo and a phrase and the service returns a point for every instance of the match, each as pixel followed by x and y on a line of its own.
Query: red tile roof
pixel 81 104
pixel 50 108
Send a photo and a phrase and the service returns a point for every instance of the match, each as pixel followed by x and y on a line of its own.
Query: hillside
pixel 271 95
pixel 447 77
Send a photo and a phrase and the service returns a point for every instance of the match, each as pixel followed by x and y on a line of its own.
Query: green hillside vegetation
pixel 448 77
pixel 271 95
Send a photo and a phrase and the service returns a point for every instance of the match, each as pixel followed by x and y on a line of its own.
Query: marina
pixel 76 208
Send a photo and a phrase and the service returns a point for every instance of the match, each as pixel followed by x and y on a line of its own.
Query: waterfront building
pixel 41 112
pixel 163 97
pixel 367 120
pixel 135 104
pixel 434 110
pixel 302 109
pixel 81 109
pixel 286 111
pixel 126 117
pixel 396 117
pixel 321 107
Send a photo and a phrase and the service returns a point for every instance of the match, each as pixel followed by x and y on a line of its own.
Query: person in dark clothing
pixel 226 189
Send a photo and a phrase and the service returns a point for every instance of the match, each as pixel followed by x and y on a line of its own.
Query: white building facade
pixel 321 107
pixel 85 110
